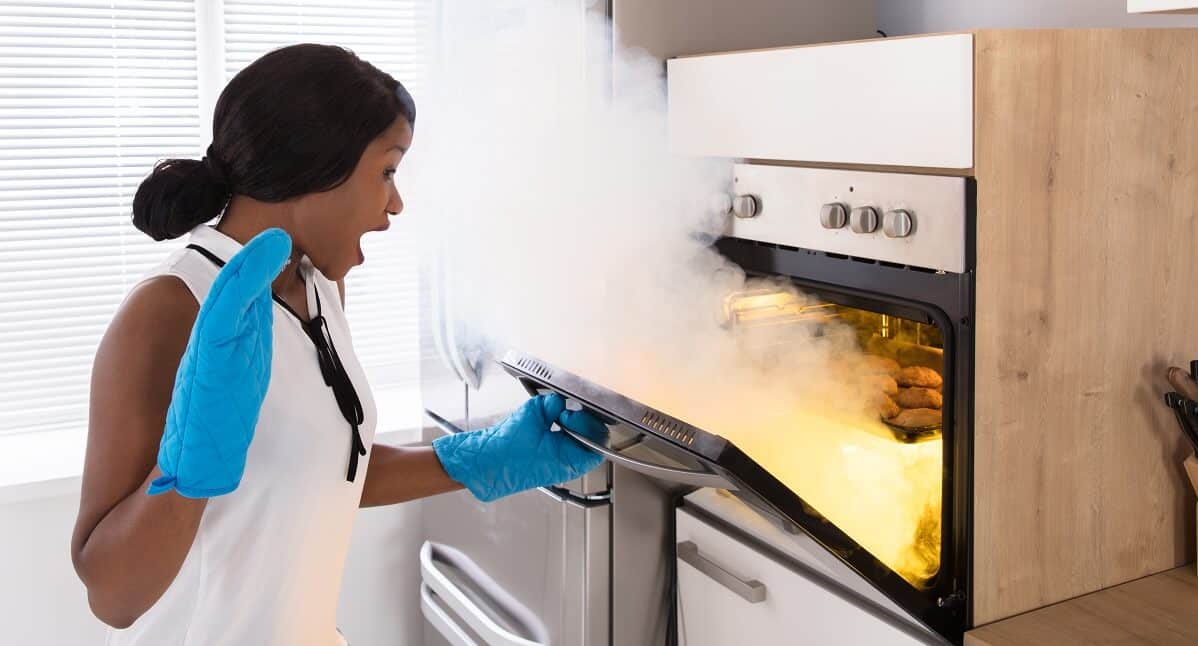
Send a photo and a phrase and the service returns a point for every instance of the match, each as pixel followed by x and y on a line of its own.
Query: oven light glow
pixel 760 306
pixel 883 493
pixel 790 393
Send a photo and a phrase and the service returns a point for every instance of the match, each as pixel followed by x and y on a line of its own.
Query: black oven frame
pixel 945 299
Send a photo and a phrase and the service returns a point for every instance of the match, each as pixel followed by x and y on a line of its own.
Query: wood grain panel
pixel 1155 611
pixel 1087 165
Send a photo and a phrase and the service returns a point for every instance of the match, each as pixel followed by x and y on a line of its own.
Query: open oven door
pixel 656 444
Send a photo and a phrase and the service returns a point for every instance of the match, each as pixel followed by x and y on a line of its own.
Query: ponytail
pixel 179 195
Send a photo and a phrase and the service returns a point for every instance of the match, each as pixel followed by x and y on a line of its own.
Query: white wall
pixel 903 17
pixel 42 603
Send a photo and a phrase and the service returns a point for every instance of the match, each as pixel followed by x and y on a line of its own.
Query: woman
pixel 230 438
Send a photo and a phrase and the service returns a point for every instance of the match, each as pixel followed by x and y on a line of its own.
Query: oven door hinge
pixel 952 601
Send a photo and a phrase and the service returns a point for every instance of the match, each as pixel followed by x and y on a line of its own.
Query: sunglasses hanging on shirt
pixel 331 369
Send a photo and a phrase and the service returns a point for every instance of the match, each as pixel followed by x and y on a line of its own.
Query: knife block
pixel 1191 465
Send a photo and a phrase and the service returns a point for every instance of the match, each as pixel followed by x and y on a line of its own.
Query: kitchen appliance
pixel 903 289
pixel 900 284
pixel 528 569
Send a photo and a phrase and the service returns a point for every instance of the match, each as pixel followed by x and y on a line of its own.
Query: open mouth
pixel 382 227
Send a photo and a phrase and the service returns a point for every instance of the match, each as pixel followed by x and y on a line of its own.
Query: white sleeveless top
pixel 265 568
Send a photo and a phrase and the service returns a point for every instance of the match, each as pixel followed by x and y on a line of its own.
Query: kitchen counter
pixel 1158 609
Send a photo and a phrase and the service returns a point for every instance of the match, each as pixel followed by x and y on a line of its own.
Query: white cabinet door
pixel 900 102
pixel 1162 6
pixel 729 593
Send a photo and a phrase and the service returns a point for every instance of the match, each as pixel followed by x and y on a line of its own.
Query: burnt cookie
pixel 917 418
pixel 886 406
pixel 919 376
pixel 919 398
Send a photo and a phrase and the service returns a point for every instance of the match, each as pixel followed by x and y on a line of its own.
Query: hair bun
pixel 178 196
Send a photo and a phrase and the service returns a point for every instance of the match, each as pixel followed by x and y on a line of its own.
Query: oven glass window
pixel 862 444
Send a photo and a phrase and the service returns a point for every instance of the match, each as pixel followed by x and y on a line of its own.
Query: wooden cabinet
pixel 1086 223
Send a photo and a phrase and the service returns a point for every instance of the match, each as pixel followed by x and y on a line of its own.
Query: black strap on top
pixel 336 377
pixel 331 368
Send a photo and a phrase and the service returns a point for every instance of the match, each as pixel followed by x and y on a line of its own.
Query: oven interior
pixel 874 467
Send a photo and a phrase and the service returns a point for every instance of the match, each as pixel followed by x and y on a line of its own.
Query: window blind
pixel 92 94
pixel 395 36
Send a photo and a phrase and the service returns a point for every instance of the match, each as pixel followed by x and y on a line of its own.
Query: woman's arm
pixel 128 546
pixel 398 474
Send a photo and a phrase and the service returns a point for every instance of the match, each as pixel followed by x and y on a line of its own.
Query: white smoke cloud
pixel 575 235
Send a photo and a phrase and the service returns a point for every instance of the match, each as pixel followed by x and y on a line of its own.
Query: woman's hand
pixel 521 452
pixel 223 376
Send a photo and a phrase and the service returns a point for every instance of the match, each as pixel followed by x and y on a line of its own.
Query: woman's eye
pixel 389 173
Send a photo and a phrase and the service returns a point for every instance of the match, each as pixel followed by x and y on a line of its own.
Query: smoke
pixel 575 235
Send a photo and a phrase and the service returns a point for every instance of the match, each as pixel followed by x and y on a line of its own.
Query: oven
pixel 879 265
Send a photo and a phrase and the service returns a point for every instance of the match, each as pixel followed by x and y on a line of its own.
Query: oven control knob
pixel 898 223
pixel 745 206
pixel 833 216
pixel 864 219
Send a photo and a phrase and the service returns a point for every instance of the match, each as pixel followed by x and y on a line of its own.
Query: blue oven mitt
pixel 521 452
pixel 223 375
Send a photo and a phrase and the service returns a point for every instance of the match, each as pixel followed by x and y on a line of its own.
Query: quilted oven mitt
pixel 521 452
pixel 223 375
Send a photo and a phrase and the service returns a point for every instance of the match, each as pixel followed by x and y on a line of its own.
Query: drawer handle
pixel 752 591
pixel 467 605
pixel 439 618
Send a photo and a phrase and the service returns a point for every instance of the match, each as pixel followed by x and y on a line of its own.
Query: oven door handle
pixel 696 477
pixel 467 608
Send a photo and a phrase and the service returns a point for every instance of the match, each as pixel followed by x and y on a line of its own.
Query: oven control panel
pixel 917 220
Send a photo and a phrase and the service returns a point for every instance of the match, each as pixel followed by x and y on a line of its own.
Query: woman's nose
pixel 395 204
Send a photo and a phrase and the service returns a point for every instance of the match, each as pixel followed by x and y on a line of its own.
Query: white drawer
pixel 900 102
pixel 794 609
pixel 1162 6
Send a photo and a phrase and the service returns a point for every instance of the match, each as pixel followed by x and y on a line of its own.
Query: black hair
pixel 294 121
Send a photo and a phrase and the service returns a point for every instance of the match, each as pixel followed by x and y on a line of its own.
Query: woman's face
pixel 329 226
